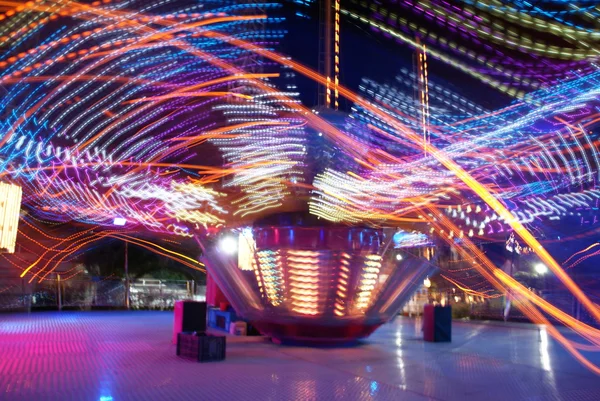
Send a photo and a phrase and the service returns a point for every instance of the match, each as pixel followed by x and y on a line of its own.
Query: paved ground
pixel 106 356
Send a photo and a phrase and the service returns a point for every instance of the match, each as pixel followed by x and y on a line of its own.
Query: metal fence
pixel 18 295
pixel 101 293
pixel 493 308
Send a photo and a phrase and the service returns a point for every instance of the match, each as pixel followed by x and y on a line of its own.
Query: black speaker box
pixel 437 323
pixel 443 324
pixel 193 317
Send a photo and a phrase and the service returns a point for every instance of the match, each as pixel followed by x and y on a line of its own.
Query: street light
pixel 540 268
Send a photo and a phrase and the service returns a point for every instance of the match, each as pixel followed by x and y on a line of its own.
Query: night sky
pixel 368 54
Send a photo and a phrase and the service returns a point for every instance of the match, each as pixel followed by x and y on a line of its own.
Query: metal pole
pixel 577 303
pixel 160 294
pixel 58 292
pixel 336 57
pixel 27 295
pixel 126 278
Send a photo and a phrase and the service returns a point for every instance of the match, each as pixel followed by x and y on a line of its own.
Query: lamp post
pixel 120 222
pixel 59 292
pixel 126 278
pixel 541 270
pixel 512 246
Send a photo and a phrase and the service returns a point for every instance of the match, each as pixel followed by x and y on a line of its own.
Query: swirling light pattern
pixel 182 120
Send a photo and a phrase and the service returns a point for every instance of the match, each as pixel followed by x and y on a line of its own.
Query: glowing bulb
pixel 540 268
pixel 228 245
pixel 119 221
pixel 427 282
pixel 399 257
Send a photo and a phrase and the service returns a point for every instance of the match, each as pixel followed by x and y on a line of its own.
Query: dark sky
pixel 365 53
pixel 362 54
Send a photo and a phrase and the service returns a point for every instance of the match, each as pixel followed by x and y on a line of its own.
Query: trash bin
pixel 437 323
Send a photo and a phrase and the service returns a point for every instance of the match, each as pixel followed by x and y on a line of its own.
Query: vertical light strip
pixel 342 286
pixel 271 272
pixel 336 59
pixel 367 283
pixel 328 93
pixel 328 52
pixel 426 103
pixel 10 207
pixel 423 92
pixel 304 282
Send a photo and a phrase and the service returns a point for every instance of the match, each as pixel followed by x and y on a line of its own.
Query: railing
pixel 493 308
pixel 102 293
pixel 17 295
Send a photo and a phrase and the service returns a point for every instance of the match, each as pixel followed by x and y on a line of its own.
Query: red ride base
pixel 296 333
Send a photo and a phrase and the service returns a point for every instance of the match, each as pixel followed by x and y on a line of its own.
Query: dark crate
pixel 203 348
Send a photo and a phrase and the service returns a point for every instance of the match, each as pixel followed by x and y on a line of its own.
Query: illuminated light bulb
pixel 540 268
pixel 427 283
pixel 399 257
pixel 228 245
pixel 119 221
